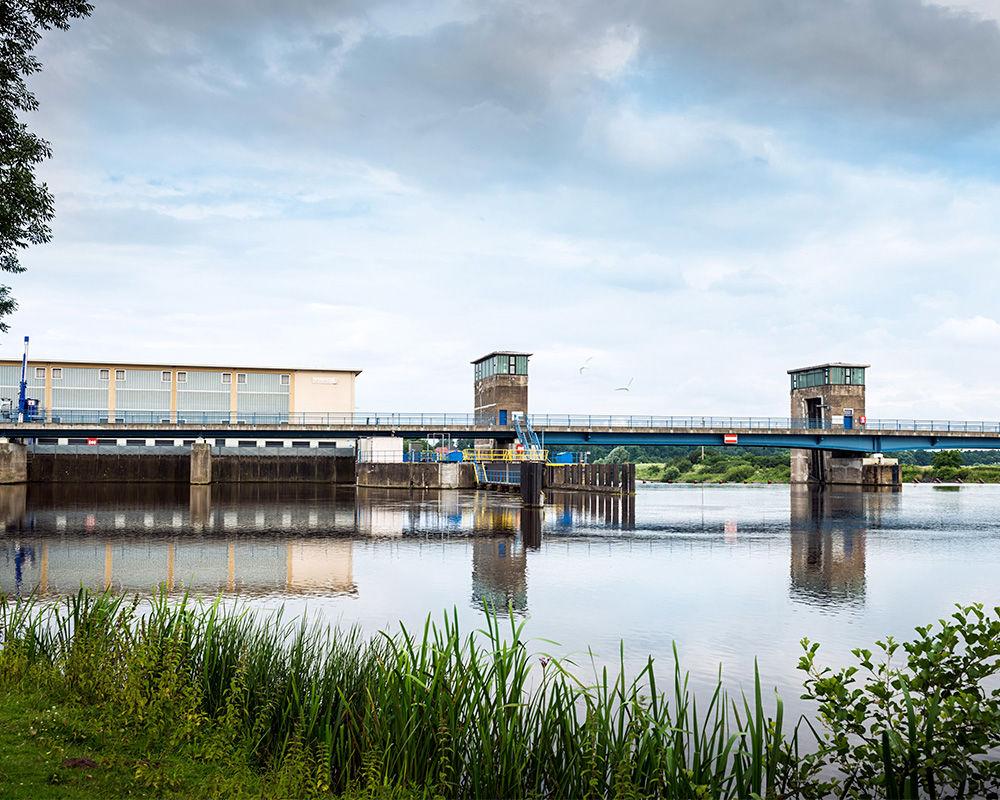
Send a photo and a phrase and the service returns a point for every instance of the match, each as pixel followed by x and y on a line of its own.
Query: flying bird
pixel 585 365
pixel 627 387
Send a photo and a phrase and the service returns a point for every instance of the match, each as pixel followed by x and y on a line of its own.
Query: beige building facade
pixel 176 393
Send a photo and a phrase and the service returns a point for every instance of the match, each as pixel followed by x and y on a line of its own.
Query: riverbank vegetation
pixel 185 700
pixel 763 465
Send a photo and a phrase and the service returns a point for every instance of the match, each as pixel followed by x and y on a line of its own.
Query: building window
pixel 104 374
pixel 119 375
pixel 241 377
pixel 182 377
pixel 285 380
pixel 57 373
pixel 512 365
pixel 227 377
pixel 165 376
pixel 40 373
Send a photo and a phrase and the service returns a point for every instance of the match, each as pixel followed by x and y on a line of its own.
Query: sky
pixel 689 197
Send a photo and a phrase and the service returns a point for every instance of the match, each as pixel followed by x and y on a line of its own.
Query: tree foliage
pixel 947 458
pixel 26 206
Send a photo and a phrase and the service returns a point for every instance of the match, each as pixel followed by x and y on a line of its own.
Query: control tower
pixel 501 387
pixel 827 397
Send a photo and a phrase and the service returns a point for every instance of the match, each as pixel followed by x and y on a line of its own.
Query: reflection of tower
pixel 828 532
pixel 499 573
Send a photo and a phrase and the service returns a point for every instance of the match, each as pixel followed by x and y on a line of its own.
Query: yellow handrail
pixel 481 454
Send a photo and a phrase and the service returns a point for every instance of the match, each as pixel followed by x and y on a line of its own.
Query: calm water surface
pixel 728 572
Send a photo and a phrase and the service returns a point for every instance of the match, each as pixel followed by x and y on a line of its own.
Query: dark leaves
pixel 26 206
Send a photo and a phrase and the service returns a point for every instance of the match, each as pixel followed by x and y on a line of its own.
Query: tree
pixel 26 206
pixel 619 455
pixel 947 458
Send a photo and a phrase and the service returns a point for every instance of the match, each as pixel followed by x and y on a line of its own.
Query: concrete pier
pixel 822 468
pixel 13 462
pixel 201 464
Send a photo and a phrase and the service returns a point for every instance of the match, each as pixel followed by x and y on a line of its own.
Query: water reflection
pixel 266 539
pixel 828 532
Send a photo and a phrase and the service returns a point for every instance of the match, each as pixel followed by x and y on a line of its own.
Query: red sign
pixel 730 438
pixel 863 420
pixel 91 441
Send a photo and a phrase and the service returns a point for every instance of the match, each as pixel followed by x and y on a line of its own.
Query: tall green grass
pixel 437 711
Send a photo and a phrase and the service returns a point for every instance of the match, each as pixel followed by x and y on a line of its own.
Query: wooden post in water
pixel 532 494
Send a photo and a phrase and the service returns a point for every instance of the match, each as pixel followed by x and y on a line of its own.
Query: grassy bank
pixel 718 468
pixel 948 474
pixel 187 701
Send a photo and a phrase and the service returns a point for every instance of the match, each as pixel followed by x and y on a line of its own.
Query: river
pixel 729 573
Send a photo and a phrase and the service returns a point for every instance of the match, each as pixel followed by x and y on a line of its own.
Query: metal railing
pixel 430 423
pixel 481 454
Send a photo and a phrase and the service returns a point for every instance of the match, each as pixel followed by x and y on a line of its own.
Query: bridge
pixel 553 430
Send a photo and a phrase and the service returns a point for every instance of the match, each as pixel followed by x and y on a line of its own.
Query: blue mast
pixel 22 393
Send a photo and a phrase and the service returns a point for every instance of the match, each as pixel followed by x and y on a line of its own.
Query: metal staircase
pixel 526 433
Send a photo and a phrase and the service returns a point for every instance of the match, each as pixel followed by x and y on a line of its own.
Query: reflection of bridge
pixel 553 429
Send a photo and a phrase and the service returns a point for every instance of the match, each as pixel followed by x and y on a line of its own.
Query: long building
pixel 112 391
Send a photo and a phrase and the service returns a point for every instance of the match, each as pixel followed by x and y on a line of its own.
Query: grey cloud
pixel 507 89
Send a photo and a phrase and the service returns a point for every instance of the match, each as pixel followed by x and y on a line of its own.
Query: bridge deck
pixel 554 430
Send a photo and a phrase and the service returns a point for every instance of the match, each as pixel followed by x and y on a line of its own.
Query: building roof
pixel 501 353
pixel 829 364
pixel 35 361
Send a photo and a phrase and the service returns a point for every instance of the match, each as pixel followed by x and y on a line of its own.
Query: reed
pixel 477 715
pixel 445 714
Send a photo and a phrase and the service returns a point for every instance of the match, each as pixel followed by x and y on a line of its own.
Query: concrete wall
pixel 282 469
pixel 106 467
pixel 457 475
pixel 109 467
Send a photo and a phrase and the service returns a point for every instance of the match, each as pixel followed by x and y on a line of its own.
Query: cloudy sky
pixel 694 195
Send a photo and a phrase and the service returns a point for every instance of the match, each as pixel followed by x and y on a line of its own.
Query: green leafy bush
pixel 918 719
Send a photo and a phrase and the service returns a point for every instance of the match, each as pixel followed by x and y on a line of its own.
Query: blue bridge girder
pixel 554 430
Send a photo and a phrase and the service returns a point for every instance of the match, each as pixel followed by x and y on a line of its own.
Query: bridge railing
pixel 428 423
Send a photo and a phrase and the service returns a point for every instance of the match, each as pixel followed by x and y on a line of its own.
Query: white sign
pixel 326 381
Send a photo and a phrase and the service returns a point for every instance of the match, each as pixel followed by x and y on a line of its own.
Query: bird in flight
pixel 586 365
pixel 627 387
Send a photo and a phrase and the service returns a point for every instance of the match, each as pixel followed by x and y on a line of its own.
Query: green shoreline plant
pixel 314 711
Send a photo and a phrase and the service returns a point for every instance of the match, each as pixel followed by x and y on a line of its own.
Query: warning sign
pixel 730 438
